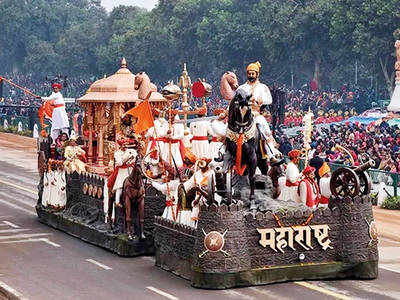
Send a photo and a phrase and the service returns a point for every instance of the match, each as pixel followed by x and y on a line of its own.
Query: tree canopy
pixel 293 39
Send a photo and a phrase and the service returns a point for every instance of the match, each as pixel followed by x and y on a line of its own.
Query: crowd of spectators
pixel 378 142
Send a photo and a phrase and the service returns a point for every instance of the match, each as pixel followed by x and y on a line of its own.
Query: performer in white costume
pixel 177 148
pixel 324 185
pixel 293 176
pixel 59 120
pixel 218 128
pixel 308 188
pixel 261 96
pixel 61 189
pixel 156 136
pixel 170 190
pixel 200 146
pixel 199 179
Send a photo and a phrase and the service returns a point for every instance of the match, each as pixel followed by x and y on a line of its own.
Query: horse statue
pixel 133 200
pixel 143 84
pixel 228 85
pixel 243 150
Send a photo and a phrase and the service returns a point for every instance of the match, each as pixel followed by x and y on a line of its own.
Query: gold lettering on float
pixel 286 236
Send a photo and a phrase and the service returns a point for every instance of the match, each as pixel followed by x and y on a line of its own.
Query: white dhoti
pixel 59 119
pixel 290 191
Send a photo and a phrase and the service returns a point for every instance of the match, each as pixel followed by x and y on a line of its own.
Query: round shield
pixel 198 89
pixel 214 241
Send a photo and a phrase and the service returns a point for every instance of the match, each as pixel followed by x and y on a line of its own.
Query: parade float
pixel 191 193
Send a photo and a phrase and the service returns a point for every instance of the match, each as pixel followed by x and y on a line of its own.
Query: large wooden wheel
pixel 344 183
pixel 365 182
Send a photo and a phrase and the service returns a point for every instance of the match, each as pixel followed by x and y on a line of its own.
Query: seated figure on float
pixel 74 155
pixel 169 187
pixel 260 97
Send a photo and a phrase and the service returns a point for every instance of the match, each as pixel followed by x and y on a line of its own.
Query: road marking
pixel 149 258
pixel 11 224
pixel 268 293
pixel 162 293
pixel 11 291
pixel 322 290
pixel 237 294
pixel 12 230
pixel 18 187
pixel 98 264
pixel 389 269
pixel 17 207
pixel 32 240
pixel 22 236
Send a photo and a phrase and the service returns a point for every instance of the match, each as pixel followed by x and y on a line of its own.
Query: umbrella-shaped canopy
pixel 117 88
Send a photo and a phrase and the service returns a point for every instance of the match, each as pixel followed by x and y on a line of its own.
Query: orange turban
pixel 324 169
pixel 294 153
pixel 254 67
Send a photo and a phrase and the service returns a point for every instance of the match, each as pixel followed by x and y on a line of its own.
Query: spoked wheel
pixel 345 182
pixel 365 182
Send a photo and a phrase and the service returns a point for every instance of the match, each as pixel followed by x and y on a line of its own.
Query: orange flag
pixel 144 116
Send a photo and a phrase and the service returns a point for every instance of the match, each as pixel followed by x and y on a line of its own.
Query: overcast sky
pixel 110 4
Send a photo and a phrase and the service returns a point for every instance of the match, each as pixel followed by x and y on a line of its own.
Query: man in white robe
pixel 293 176
pixel 59 119
pixel 308 189
pixel 200 145
pixel 156 137
pixel 324 185
pixel 218 128
pixel 174 149
pixel 260 97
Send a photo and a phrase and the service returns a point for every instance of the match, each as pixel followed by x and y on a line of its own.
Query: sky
pixel 110 4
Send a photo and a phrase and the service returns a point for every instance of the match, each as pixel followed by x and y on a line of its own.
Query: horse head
pixel 240 117
pixel 144 85
pixel 228 85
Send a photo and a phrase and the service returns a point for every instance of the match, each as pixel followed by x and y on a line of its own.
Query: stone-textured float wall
pixel 244 261
pixel 174 243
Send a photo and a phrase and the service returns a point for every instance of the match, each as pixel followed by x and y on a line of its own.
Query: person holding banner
pixel 59 118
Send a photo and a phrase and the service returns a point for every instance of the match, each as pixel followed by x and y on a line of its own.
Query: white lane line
pixel 238 295
pixel 18 187
pixel 268 293
pixel 12 230
pixel 162 293
pixel 149 258
pixel 322 290
pixel 17 207
pixel 389 269
pixel 11 224
pixel 29 240
pixel 98 264
pixel 11 291
pixel 22 236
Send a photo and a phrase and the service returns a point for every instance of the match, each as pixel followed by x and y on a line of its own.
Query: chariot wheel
pixel 345 182
pixel 365 182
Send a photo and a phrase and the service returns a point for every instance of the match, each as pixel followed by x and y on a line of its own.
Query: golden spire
pixel 123 63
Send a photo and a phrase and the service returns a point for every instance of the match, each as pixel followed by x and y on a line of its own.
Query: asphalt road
pixel 38 262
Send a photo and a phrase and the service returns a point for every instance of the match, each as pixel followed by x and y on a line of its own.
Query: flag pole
pixel 19 87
